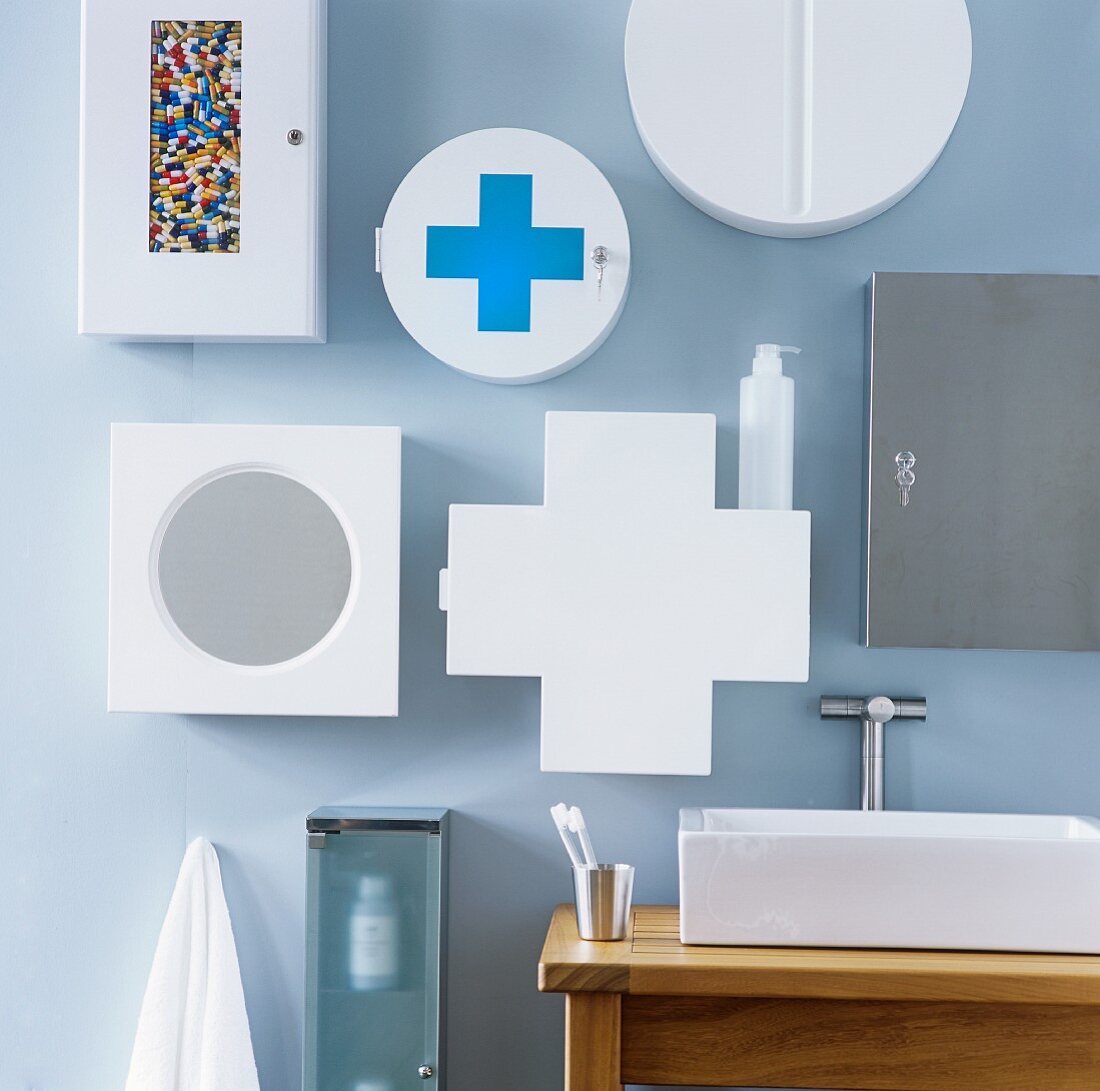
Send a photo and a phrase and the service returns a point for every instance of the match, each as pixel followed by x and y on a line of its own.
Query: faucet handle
pixel 911 708
pixel 879 709
pixel 841 707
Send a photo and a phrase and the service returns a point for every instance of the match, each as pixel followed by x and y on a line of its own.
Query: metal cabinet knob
pixel 425 1072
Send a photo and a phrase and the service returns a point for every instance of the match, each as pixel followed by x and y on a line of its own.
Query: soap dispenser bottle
pixel 373 939
pixel 766 469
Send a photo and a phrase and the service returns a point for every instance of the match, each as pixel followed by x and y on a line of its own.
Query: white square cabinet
pixel 254 569
pixel 202 150
pixel 628 593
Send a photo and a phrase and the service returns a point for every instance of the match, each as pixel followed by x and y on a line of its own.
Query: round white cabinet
pixel 796 117
pixel 505 253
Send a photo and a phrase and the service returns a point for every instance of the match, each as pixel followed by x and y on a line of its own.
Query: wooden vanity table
pixel 648 1010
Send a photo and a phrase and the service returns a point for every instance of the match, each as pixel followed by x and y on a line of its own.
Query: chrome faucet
pixel 873 713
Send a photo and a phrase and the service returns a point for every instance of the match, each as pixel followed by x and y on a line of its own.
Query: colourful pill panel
pixel 195 137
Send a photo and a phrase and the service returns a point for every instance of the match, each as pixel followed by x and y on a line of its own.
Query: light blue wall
pixel 96 809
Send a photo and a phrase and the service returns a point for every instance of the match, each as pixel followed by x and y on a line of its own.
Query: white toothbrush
pixel 577 825
pixel 561 815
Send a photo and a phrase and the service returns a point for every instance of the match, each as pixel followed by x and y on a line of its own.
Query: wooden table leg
pixel 592 1041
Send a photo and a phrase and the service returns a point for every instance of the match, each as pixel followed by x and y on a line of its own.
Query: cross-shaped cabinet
pixel 628 593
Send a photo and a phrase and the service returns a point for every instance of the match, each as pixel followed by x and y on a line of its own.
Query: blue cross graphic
pixel 504 253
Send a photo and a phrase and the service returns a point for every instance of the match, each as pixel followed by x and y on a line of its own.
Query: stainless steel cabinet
pixel 991 383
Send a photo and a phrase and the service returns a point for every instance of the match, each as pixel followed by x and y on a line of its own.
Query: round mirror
pixel 254 568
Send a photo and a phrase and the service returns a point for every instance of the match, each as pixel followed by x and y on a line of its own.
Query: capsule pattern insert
pixel 195 137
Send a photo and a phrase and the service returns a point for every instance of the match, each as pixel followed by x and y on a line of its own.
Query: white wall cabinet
pixel 796 118
pixel 202 145
pixel 505 253
pixel 254 569
pixel 628 593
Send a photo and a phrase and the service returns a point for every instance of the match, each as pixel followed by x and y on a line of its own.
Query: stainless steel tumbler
pixel 603 900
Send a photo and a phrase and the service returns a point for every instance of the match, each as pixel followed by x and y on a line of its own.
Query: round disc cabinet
pixel 796 117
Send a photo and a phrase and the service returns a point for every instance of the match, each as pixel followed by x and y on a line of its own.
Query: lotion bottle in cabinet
pixel 373 936
pixel 766 467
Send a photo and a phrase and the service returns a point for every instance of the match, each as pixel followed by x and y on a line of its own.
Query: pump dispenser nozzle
pixel 769 360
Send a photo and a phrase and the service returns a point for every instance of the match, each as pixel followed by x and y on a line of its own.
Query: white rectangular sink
pixel 992 882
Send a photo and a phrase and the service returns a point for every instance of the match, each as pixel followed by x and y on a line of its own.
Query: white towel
pixel 193 1034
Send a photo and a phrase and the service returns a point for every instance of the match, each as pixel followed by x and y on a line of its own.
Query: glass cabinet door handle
pixel 425 1072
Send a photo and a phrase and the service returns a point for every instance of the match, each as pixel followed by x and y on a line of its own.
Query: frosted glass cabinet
pixel 375 949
